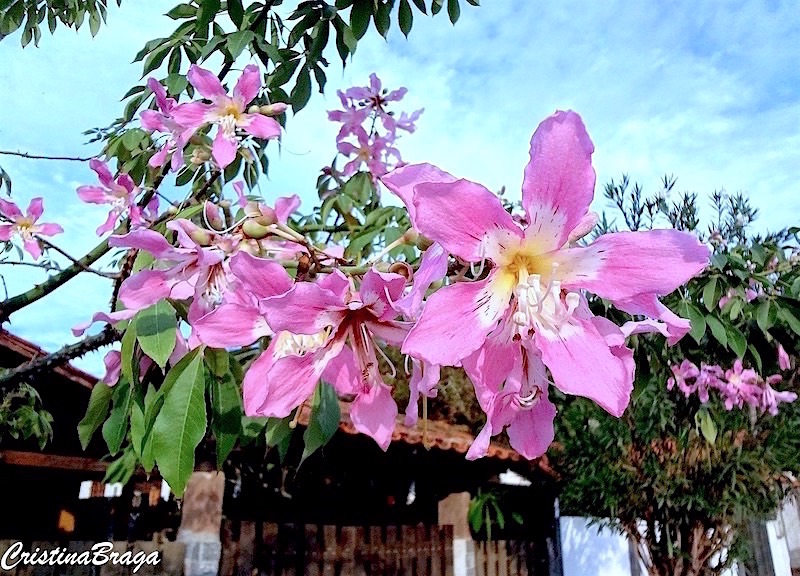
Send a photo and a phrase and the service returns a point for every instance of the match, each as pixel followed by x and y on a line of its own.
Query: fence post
pixel 201 520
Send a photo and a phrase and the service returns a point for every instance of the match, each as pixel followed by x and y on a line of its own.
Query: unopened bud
pixel 172 210
pixel 252 209
pixel 268 212
pixel 253 109
pixel 410 236
pixel 212 216
pixel 266 220
pixel 199 156
pixel 273 109
pixel 403 269
pixel 253 229
pixel 303 264
pixel 200 236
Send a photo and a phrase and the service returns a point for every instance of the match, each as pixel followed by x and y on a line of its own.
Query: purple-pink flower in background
pixel 228 113
pixel 374 98
pixel 15 223
pixel 161 120
pixel 531 304
pixel 121 195
pixel 374 151
pixel 784 362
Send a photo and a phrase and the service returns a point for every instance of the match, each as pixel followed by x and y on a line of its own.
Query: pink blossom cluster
pixel 371 147
pixel 738 386
pixel 517 329
pixel 230 115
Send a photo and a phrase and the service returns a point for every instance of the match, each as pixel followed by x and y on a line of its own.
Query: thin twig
pixel 110 275
pixel 43 157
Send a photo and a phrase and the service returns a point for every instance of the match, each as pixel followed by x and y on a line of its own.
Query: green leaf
pixel 116 426
pixel 324 420
pixel 122 468
pixel 383 18
pixel 205 14
pixel 226 418
pixel 130 364
pixel 181 425
pixel 766 315
pixel 156 330
pixel 717 329
pixel 711 294
pixel 420 4
pixel 736 340
pixel 436 7
pixel 141 436
pixel 182 11
pixel 453 10
pixel 156 58
pixel 278 434
pixel 707 426
pixel 359 18
pixel 96 412
pixel 405 17
pixel 301 92
pixel 786 315
pixel 236 12
pixel 238 41
pixel 698 321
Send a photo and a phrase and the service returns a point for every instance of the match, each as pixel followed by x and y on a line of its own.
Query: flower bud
pixel 268 213
pixel 273 109
pixel 172 210
pixel 253 229
pixel 212 216
pixel 253 109
pixel 266 220
pixel 252 209
pixel 199 156
pixel 403 269
pixel 423 243
pixel 202 237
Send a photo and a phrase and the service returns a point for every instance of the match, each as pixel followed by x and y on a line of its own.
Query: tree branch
pixel 62 356
pixel 43 157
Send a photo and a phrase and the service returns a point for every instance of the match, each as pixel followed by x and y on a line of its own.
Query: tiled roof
pixel 29 350
pixel 430 434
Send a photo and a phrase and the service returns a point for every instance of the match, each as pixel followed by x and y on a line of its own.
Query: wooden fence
pixel 250 548
pixel 170 553
pixel 504 558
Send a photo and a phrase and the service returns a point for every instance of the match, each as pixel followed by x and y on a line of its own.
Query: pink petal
pixel 423 382
pixel 191 114
pixel 622 265
pixel 456 321
pixel 231 325
pixel 108 318
pixel 582 364
pixel 432 269
pixel 532 431
pixel 480 446
pixel 93 194
pixel 263 278
pixel 103 173
pixel 143 239
pixel 49 229
pixel 674 327
pixel 7 231
pixel 144 289
pixel 305 309
pixel 784 362
pixel 206 83
pixel 35 209
pixel 401 182
pixel 248 85
pixel 113 364
pixel 224 149
pixel 489 366
pixel 374 413
pixel 285 207
pixel 108 225
pixel 378 290
pixel 462 216
pixel 160 93
pixel 343 373
pixel 261 126
pixel 558 185
pixel 10 210
pixel 157 160
pixel 32 247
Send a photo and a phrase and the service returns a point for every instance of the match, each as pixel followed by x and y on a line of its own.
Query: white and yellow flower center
pixel 228 119
pixel 26 229
pixel 289 344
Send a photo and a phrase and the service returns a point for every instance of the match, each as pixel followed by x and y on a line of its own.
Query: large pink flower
pixel 228 113
pixel 328 330
pixel 120 194
pixel 531 302
pixel 161 120
pixel 14 223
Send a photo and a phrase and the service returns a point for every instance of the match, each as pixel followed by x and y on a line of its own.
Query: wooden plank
pixel 347 550
pixel 330 551
pixel 409 556
pixel 423 549
pixel 270 557
pixel 437 552
pixel 230 549
pixel 447 532
pixel 360 552
pixel 54 461
pixel 502 559
pixel 377 552
pixel 391 545
pixel 312 552
pixel 245 557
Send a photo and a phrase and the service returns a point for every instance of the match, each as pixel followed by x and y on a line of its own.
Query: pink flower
pixel 784 362
pixel 226 112
pixel 770 398
pixel 749 295
pixel 741 387
pixel 374 151
pixel 161 120
pixel 351 117
pixel 25 226
pixel 120 194
pixel 681 374
pixel 374 98
pixel 530 304
pixel 329 330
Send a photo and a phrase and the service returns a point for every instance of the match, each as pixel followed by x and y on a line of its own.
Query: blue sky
pixel 709 93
